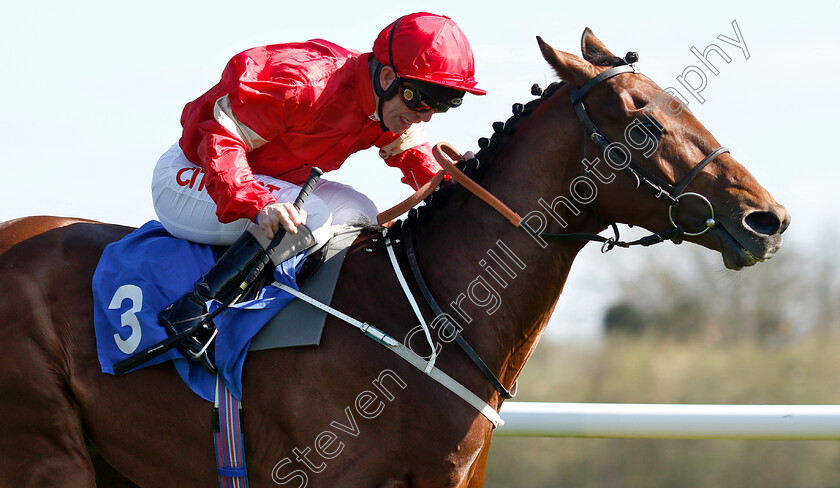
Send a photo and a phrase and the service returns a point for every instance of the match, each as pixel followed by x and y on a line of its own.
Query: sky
pixel 93 92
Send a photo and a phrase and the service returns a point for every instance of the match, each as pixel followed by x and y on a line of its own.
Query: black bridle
pixel 670 193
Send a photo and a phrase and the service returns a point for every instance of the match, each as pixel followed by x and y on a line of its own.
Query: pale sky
pixel 94 91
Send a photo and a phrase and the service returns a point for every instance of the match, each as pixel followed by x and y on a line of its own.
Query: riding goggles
pixel 422 97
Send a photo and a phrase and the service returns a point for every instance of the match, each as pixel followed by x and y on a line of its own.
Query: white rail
pixel 662 421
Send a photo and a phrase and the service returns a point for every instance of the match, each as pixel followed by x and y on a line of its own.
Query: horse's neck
pixel 500 284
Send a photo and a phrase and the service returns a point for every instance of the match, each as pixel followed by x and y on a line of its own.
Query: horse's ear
pixel 592 47
pixel 569 67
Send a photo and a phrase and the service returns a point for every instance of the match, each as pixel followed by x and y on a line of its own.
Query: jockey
pixel 278 110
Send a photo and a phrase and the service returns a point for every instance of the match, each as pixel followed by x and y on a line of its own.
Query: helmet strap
pixel 383 94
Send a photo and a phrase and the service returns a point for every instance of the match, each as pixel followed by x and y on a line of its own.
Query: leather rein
pixel 445 153
pixel 671 193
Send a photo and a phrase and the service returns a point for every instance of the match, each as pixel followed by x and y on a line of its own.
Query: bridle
pixel 670 193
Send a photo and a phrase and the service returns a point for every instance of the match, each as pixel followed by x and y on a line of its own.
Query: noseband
pixel 671 193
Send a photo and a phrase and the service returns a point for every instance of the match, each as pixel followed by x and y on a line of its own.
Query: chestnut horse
pixel 349 413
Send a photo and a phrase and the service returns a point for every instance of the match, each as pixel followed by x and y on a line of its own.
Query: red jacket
pixel 282 108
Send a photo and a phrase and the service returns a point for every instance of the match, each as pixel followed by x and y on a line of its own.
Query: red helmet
pixel 428 47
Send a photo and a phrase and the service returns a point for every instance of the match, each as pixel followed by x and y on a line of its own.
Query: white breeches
pixel 186 210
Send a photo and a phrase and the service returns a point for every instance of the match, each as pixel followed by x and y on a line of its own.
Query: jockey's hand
pixel 469 155
pixel 275 215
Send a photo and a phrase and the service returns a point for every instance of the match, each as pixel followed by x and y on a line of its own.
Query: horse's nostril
pixel 767 223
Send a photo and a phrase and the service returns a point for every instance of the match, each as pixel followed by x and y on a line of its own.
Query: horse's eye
pixel 648 126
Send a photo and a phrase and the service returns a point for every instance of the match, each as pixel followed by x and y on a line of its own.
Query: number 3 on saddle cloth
pixel 147 270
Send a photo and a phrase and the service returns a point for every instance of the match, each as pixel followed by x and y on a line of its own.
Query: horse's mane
pixel 489 147
pixel 474 168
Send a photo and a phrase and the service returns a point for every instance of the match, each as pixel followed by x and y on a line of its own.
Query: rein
pixel 670 193
pixel 443 151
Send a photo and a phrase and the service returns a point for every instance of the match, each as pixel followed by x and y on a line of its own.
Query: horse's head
pixel 639 129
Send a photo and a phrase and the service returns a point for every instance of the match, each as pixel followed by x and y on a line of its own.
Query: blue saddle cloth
pixel 147 270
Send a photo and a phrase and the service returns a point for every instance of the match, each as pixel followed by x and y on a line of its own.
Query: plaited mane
pixel 489 147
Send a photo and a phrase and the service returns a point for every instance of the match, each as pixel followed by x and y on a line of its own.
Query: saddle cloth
pixel 148 269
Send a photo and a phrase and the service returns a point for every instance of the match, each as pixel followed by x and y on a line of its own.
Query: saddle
pixel 300 324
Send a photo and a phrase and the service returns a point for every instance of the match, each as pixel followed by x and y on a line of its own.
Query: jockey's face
pixel 396 115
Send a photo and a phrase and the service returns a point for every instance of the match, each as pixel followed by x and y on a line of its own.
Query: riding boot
pixel 189 312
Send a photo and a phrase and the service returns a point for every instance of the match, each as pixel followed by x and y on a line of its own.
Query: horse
pixel 348 413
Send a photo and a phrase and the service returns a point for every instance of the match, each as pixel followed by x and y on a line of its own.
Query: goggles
pixel 422 97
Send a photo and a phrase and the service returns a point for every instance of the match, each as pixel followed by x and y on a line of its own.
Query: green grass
pixel 653 370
